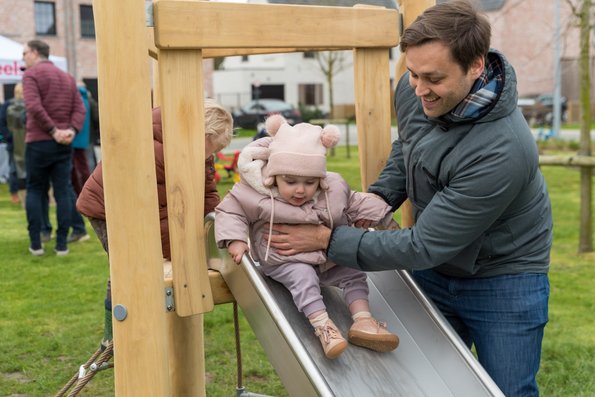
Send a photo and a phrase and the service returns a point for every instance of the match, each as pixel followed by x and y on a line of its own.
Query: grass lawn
pixel 52 310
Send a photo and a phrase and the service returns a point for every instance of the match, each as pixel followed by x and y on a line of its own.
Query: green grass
pixel 52 310
pixel 243 133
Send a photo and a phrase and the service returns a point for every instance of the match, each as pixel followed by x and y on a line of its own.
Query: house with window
pixel 523 30
pixel 68 27
pixel 528 43
pixel 297 78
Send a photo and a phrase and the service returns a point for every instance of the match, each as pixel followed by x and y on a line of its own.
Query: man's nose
pixel 421 89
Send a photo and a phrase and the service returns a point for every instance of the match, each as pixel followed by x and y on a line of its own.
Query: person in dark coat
pixel 468 163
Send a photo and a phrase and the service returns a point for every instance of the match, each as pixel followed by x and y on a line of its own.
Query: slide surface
pixel 430 361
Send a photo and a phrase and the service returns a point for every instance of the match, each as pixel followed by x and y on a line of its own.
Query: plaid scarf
pixel 484 92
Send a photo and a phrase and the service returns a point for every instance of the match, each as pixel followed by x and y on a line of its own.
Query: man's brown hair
pixel 42 48
pixel 458 25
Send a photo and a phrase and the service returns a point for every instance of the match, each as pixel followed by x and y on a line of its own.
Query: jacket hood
pixel 507 99
pixel 250 164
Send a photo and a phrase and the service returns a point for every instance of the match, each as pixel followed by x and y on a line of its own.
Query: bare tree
pixel 331 63
pixel 581 9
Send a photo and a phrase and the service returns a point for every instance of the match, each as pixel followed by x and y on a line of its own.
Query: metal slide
pixel 431 360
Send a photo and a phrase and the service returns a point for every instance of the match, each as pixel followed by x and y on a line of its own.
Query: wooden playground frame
pixel 161 352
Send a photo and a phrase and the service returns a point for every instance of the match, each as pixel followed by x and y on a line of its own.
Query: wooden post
pixel 372 110
pixel 186 358
pixel 136 262
pixel 182 114
pixel 410 10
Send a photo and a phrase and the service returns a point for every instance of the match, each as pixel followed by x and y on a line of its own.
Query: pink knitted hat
pixel 299 150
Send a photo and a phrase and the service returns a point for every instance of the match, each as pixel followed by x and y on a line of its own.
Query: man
pixel 468 163
pixel 55 113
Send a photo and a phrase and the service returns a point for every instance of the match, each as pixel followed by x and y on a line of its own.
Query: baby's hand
pixel 364 223
pixel 237 249
pixel 393 225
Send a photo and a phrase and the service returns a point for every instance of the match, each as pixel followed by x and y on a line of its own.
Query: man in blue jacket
pixel 467 161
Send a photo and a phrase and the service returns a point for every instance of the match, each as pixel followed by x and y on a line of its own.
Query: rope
pixel 236 325
pixel 97 362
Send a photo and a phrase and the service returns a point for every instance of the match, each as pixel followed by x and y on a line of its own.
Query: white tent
pixel 11 59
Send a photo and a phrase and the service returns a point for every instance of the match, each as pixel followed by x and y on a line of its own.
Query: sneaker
pixel 331 339
pixel 46 236
pixel 62 252
pixel 78 237
pixel 36 252
pixel 373 335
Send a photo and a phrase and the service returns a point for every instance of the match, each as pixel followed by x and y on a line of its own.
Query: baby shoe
pixel 372 334
pixel 331 339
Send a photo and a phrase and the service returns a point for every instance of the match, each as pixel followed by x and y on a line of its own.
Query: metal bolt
pixel 120 312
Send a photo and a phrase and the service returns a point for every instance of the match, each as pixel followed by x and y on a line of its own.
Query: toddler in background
pixel 218 133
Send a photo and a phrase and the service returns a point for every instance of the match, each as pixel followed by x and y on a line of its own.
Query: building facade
pixel 525 31
pixel 68 27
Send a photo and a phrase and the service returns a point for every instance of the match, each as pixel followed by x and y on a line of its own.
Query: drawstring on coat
pixel 272 218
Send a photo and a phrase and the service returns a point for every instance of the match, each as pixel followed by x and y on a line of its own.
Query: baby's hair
pixel 218 124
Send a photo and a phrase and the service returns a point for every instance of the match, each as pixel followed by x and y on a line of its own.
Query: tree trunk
pixel 586 195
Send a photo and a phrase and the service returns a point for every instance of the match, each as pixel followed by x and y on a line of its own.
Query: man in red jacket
pixel 55 113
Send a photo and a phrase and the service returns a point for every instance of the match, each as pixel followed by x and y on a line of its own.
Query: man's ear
pixel 477 67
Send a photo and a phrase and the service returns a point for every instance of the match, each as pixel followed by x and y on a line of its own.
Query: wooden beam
pixel 372 111
pixel 410 9
pixel 186 340
pixel 183 24
pixel 182 113
pixel 569 161
pixel 221 292
pixel 131 204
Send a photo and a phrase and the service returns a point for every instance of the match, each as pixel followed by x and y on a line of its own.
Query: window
pixel 309 55
pixel 310 94
pixel 244 58
pixel 87 22
pixel 45 18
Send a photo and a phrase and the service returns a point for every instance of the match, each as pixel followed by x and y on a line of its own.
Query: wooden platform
pixel 220 290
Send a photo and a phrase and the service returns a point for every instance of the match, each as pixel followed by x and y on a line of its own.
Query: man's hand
pixel 294 239
pixel 237 249
pixel 63 137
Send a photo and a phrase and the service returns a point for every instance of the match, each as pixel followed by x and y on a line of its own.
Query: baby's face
pixel 297 190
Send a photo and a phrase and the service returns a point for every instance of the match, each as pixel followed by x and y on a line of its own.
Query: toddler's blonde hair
pixel 218 124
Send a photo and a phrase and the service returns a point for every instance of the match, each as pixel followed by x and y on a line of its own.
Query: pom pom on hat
pixel 330 136
pixel 273 123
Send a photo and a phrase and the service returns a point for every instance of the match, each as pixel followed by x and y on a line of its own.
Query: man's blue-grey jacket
pixel 480 203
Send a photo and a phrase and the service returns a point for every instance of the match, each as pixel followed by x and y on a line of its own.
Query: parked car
pixel 539 109
pixel 256 111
